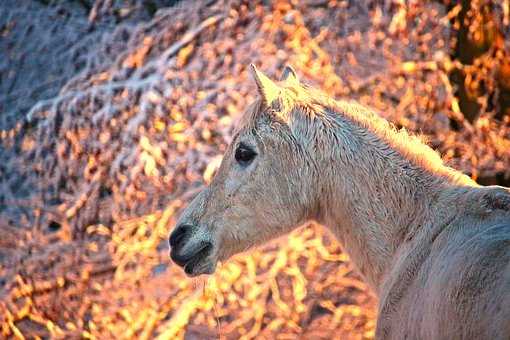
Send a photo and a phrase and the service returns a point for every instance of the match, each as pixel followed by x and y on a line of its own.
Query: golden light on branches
pixel 107 165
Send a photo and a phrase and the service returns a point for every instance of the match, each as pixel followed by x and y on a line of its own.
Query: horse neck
pixel 375 191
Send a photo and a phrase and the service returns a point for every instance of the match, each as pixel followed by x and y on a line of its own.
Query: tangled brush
pixel 93 178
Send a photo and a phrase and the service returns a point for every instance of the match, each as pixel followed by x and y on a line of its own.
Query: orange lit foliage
pixel 125 145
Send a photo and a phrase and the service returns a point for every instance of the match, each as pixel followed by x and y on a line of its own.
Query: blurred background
pixel 114 114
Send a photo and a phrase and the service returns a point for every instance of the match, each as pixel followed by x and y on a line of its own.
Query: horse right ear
pixel 289 76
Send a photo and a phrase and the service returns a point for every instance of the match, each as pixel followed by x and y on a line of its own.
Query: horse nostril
pixel 178 234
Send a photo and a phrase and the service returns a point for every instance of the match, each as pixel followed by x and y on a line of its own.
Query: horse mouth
pixel 197 264
pixel 196 269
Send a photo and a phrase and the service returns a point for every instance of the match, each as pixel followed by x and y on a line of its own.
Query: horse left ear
pixel 289 76
pixel 266 87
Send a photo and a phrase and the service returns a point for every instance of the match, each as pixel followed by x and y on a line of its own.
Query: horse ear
pixel 289 76
pixel 266 87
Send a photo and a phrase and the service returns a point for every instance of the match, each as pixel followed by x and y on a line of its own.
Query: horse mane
pixel 311 106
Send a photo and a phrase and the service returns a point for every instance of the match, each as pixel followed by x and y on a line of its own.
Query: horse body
pixel 433 244
pixel 453 280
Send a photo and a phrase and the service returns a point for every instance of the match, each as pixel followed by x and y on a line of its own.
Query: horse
pixel 432 244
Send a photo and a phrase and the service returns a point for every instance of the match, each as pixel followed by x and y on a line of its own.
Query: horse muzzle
pixel 191 250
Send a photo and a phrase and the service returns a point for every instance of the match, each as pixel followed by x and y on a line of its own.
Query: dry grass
pixel 109 162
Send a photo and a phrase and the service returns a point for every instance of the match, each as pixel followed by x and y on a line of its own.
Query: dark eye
pixel 244 154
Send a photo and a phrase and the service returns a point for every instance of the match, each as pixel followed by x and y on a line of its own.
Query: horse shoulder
pixel 454 275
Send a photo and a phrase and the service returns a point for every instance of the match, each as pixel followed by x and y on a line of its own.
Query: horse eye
pixel 244 154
